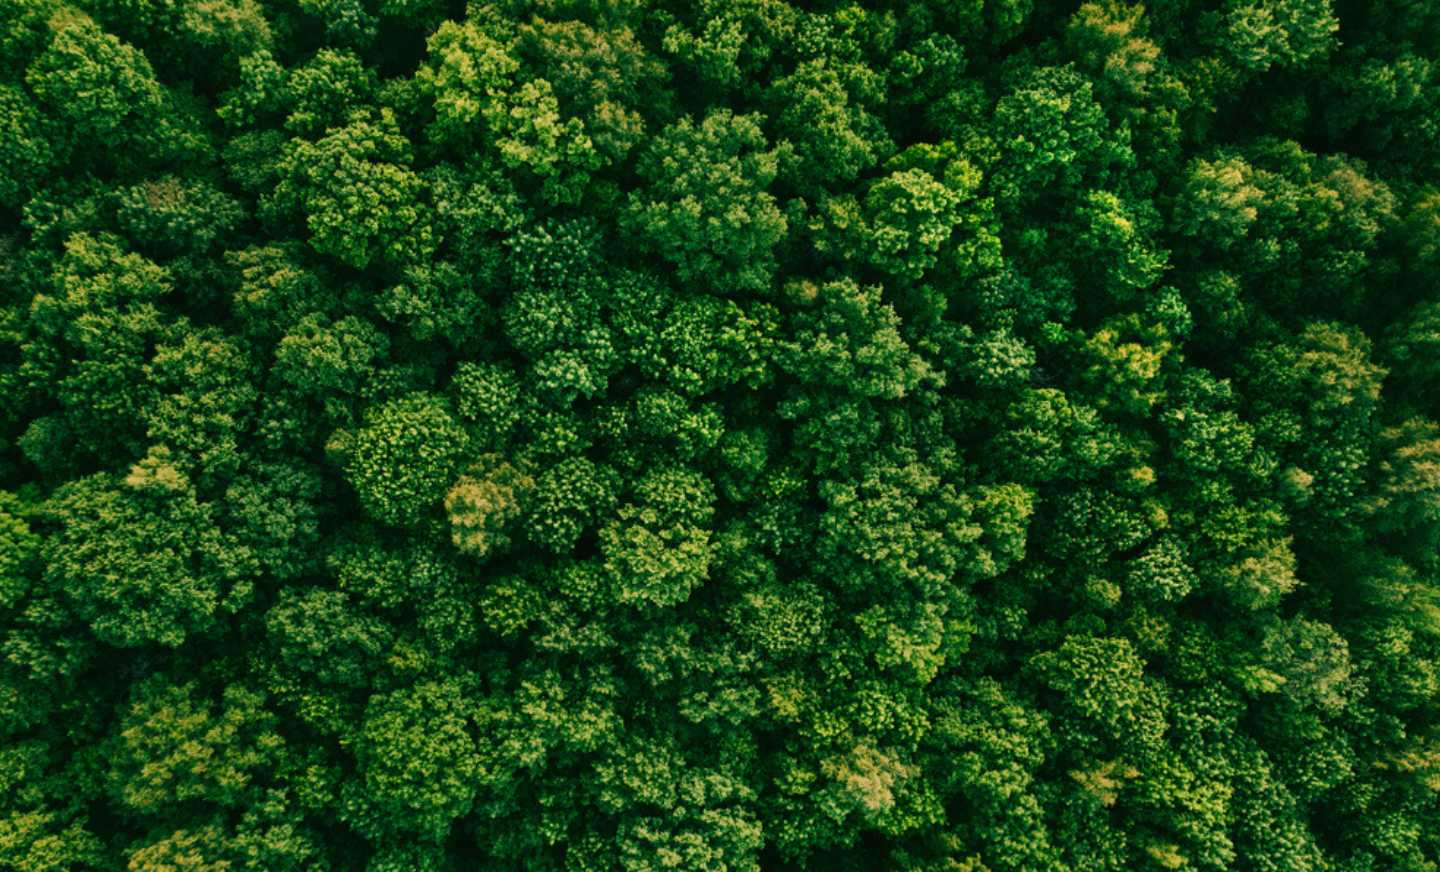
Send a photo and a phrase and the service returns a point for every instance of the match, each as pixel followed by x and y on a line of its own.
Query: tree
pixel 357 195
pixel 726 43
pixel 704 206
pixel 1409 498
pixel 29 148
pixel 470 67
pixel 848 341
pixel 97 85
pixel 1053 136
pixel 91 331
pixel 154 549
pixel 205 402
pixel 911 216
pixel 658 548
pixel 383 467
pixel 418 761
pixel 569 497
pixel 554 317
pixel 324 92
pixel 170 215
pixel 827 112
pixel 175 749
pixel 1100 684
pixel 483 503
pixel 606 76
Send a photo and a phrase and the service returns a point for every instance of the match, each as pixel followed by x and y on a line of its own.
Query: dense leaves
pixel 720 435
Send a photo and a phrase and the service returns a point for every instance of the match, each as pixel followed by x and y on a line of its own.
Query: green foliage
pixel 722 435
pixel 910 216
pixel 658 549
pixel 827 111
pixel 416 760
pixel 1053 136
pixel 140 559
pixel 322 92
pixel 173 215
pixel 469 67
pixel 93 327
pixel 848 341
pixel 93 82
pixel 703 206
pixel 19 549
pixel 568 497
pixel 27 149
pixel 357 195
pixel 404 456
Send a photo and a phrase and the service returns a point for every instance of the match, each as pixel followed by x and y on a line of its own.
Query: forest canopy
pixel 585 435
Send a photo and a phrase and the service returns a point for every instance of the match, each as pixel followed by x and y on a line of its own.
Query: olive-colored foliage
pixel 175 749
pixel 483 503
pixel 970 435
